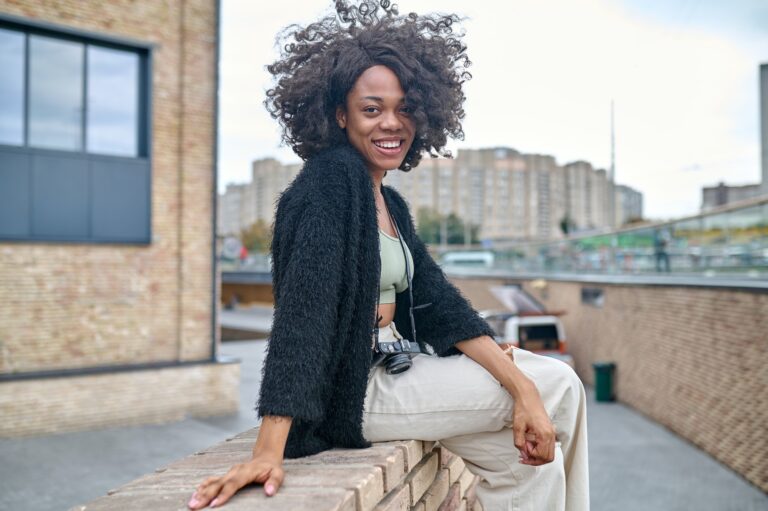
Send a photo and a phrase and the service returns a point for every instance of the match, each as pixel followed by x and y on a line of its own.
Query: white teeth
pixel 388 145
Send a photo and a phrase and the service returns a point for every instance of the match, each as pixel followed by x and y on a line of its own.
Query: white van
pixel 476 258
pixel 541 334
pixel 544 335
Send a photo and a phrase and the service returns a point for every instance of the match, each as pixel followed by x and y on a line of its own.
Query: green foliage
pixel 431 224
pixel 257 237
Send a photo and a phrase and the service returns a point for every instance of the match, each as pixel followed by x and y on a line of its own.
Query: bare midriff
pixel 387 313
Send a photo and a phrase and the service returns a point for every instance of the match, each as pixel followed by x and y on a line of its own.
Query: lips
pixel 389 146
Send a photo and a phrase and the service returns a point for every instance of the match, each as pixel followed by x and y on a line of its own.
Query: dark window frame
pixel 144 51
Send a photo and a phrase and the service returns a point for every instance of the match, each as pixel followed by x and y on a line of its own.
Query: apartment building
pixel 244 204
pixel 510 195
pixel 629 205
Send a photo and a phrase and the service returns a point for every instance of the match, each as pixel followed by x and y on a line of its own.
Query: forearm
pixel 273 434
pixel 488 354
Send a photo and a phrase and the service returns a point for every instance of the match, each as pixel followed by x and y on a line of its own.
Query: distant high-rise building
pixel 629 205
pixel 268 179
pixel 244 204
pixel 511 195
pixel 722 194
pixel 577 194
pixel 230 208
pixel 507 194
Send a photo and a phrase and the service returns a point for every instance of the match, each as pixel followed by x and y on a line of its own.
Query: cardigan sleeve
pixel 443 316
pixel 308 279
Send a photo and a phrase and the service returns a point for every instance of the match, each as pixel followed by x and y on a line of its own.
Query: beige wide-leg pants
pixel 455 401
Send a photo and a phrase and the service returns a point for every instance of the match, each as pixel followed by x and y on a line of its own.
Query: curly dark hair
pixel 320 63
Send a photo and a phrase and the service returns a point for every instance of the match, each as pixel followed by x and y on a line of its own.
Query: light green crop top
pixel 393 277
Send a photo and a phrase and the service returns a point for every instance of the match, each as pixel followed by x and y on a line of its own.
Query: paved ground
pixel 634 463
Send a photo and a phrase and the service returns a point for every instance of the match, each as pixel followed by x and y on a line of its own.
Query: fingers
pixel 539 449
pixel 215 491
pixel 207 482
pixel 225 493
pixel 274 482
pixel 519 431
pixel 205 493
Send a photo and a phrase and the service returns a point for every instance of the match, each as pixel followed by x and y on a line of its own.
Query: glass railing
pixel 732 240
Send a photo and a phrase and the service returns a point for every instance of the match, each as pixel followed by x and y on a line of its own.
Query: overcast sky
pixel 683 75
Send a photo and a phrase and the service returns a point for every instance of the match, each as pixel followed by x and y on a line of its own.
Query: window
pixel 74 135
pixel 592 296
pixel 539 337
pixel 112 125
pixel 55 93
pixel 11 87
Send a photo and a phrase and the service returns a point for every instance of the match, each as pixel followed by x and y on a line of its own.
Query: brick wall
pixel 77 305
pixel 59 405
pixel 693 359
pixel 404 475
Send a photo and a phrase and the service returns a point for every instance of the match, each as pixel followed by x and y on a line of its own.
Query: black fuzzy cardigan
pixel 325 269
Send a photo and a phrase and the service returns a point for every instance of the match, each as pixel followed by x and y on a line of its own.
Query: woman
pixel 358 94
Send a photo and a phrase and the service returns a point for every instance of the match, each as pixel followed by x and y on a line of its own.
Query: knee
pixel 572 378
pixel 555 379
pixel 572 399
pixel 571 388
pixel 572 381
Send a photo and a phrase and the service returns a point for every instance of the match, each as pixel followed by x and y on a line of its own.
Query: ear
pixel 341 117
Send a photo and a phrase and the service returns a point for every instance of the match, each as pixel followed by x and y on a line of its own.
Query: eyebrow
pixel 379 99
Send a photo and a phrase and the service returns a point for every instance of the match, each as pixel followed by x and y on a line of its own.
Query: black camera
pixel 395 356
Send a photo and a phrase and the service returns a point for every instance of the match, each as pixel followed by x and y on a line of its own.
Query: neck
pixel 377 177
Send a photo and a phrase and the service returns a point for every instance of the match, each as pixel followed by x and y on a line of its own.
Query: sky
pixel 683 76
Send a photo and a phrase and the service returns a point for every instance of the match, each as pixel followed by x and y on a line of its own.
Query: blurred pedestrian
pixel 661 245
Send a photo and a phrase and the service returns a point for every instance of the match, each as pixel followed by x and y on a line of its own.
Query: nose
pixel 390 121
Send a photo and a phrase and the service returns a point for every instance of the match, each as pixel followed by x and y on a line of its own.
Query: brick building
pixel 107 213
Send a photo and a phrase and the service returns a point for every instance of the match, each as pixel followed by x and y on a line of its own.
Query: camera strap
pixel 416 345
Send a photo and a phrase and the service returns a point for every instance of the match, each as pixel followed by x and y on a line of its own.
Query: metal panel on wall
pixel 60 196
pixel 120 207
pixel 14 194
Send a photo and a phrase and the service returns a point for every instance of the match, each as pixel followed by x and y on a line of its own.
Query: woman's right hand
pixel 218 490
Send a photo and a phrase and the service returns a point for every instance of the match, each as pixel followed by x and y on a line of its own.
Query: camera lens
pixel 398 363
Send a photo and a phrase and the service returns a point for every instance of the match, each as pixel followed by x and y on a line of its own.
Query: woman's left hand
pixel 534 432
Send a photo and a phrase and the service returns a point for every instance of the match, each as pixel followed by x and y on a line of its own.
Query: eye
pixel 371 109
pixel 406 110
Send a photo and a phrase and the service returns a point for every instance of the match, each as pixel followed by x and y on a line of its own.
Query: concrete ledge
pixel 155 396
pixel 407 475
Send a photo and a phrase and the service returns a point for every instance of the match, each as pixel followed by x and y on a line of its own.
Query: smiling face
pixel 377 122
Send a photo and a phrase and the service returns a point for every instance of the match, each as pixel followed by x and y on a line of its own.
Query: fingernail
pixel 214 503
pixel 193 502
pixel 270 489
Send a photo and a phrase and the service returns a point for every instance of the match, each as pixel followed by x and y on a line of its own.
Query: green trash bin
pixel 604 372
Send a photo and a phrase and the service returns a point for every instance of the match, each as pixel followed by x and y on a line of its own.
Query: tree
pixel 257 237
pixel 431 224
